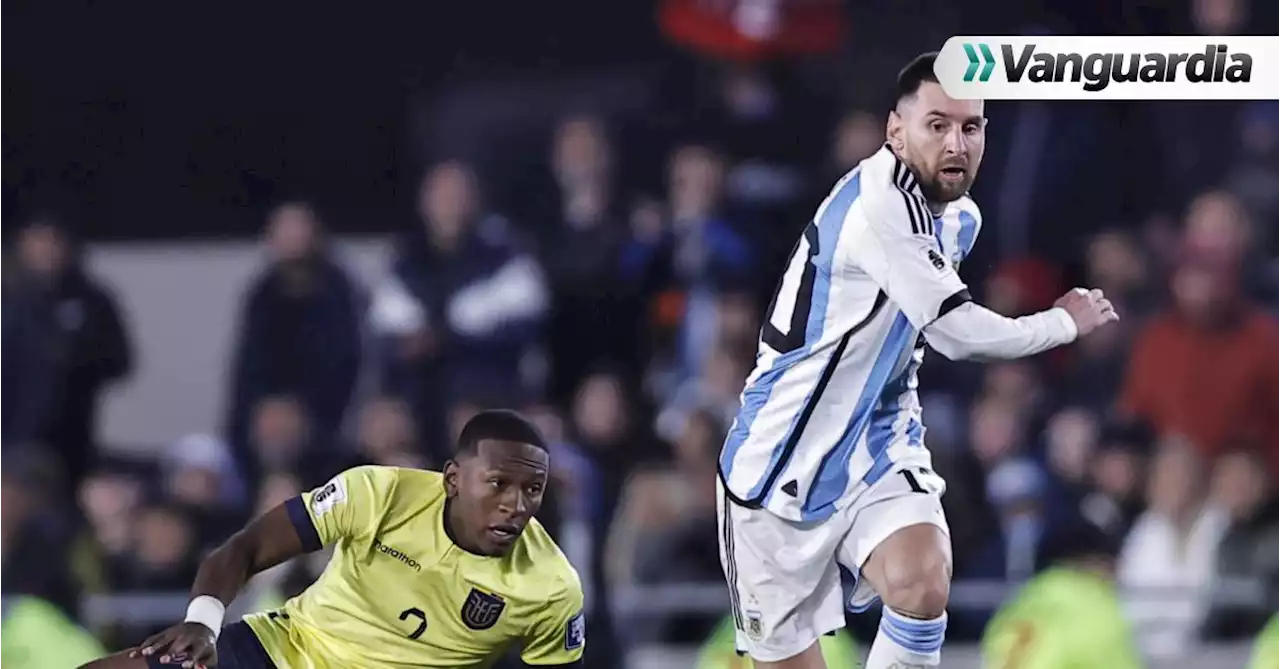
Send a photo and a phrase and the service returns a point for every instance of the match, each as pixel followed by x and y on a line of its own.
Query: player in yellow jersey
pixel 430 570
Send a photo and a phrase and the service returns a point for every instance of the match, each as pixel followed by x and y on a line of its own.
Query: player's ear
pixel 451 479
pixel 893 130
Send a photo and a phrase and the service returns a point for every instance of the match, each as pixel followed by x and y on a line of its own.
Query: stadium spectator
pixel 1254 176
pixel 35 540
pixel 602 446
pixel 281 441
pixel 708 253
pixel 164 557
pixel 109 499
pixel 1071 443
pixel 1170 551
pixel 665 530
pixel 386 432
pixel 1207 368
pixel 64 342
pixel 1117 474
pixel 299 327
pixel 465 303
pixel 599 258
pixel 715 391
pixel 200 475
pixel 1242 490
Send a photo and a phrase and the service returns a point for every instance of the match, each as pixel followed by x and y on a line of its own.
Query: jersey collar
pixel 903 176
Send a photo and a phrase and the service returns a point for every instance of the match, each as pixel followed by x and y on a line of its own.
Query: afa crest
pixel 482 610
pixel 754 625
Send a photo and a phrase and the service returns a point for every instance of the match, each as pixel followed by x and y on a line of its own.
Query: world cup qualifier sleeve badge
pixel 482 610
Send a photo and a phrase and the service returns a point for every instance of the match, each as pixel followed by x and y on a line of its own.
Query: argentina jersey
pixel 831 405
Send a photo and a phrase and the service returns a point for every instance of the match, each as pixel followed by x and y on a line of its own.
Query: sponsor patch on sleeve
pixel 575 633
pixel 329 495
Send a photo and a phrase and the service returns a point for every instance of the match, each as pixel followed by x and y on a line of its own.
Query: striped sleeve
pixel 890 237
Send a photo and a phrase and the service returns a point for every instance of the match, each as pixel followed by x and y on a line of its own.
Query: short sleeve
pixel 890 237
pixel 560 632
pixel 344 507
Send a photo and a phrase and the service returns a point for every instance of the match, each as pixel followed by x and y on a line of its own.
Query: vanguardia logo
pixel 987 63
pixel 1079 68
pixel 1096 71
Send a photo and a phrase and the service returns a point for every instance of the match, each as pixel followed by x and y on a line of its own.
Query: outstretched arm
pixel 889 237
pixel 265 542
pixel 346 506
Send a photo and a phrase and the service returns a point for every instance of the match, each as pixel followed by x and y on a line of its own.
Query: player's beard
pixel 937 190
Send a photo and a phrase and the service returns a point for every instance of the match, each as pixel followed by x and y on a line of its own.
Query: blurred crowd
pixel 620 309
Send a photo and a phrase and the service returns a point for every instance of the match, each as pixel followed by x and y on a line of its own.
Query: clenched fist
pixel 1088 308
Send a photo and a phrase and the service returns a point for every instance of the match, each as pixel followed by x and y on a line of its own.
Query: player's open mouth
pixel 953 173
pixel 504 533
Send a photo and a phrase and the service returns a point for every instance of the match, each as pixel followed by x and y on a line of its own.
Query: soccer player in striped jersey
pixel 825 468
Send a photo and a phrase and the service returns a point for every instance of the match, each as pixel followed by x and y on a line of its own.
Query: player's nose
pixel 516 503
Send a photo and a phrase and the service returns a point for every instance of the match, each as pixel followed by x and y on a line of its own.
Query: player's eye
pixel 495 483
pixel 533 490
pixel 971 128
pixel 938 127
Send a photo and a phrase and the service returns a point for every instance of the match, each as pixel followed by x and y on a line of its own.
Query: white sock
pixel 907 643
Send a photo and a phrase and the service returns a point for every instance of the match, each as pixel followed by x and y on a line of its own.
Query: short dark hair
pixel 916 72
pixel 500 424
pixel 1080 539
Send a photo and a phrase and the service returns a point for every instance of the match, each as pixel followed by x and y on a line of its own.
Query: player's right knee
pixel 917 585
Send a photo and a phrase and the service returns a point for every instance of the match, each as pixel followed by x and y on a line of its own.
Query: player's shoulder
pixel 965 205
pixel 544 566
pixel 883 172
pixel 423 486
pixel 418 487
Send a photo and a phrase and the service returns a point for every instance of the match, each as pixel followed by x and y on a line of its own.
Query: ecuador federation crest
pixel 482 610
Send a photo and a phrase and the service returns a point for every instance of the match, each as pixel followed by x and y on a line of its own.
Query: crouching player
pixel 430 569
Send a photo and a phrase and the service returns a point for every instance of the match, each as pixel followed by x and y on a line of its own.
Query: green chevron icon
pixel 988 62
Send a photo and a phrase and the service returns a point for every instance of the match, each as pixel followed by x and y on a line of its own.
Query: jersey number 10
pixel 784 332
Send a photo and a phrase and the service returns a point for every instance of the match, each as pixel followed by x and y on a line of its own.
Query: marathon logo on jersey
pixel 1110 68
pixel 329 496
pixel 482 610
pixel 575 633
pixel 397 554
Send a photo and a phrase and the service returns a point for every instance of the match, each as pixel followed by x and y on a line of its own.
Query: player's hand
pixel 192 644
pixel 1090 309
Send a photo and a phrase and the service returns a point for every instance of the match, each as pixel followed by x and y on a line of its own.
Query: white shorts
pixel 784 576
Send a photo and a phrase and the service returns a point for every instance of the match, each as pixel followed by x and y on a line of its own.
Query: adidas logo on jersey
pixel 397 554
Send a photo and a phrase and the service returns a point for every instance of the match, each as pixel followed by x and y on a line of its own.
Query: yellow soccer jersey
pixel 399 593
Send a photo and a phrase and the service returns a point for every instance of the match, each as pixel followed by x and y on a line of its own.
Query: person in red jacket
pixel 1207 368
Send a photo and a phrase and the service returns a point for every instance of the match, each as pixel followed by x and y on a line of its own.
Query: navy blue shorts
pixel 238 648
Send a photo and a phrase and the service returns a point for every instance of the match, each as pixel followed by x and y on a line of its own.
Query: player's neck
pixel 450 523
pixel 935 208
